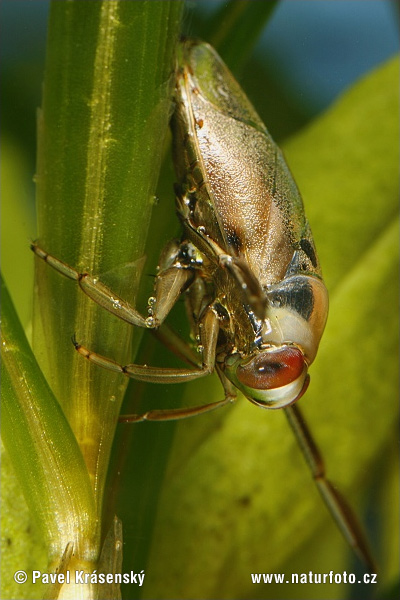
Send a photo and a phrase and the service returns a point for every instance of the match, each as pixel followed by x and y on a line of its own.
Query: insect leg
pixel 168 286
pixel 336 504
pixel 176 414
pixel 209 327
pixel 183 413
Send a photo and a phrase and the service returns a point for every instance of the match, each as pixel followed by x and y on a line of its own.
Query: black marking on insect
pixel 293 295
pixel 307 247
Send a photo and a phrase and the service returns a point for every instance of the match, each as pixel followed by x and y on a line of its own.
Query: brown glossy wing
pixel 246 195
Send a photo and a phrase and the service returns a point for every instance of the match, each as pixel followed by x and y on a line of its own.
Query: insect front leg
pixel 336 504
pixel 168 286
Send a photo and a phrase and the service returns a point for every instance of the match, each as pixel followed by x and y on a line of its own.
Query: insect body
pixel 241 208
pixel 246 260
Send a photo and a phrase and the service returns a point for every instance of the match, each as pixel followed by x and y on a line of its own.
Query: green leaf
pixel 17 225
pixel 43 450
pixel 22 545
pixel 237 496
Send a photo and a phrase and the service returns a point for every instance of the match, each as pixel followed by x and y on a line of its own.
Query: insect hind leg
pixel 335 502
pixel 177 414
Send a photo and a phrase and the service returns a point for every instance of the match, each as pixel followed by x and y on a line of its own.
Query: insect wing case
pixel 246 196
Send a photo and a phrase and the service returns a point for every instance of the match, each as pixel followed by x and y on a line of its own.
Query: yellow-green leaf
pixel 237 497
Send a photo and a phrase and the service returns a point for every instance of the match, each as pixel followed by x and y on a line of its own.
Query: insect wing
pixel 246 195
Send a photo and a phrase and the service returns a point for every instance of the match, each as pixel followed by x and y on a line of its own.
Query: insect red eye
pixel 270 370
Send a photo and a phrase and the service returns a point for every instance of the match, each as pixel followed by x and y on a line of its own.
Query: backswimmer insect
pixel 246 263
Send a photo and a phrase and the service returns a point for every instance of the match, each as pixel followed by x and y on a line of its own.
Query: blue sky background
pixel 330 43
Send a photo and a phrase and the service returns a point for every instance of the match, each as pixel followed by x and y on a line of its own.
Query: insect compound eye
pixel 272 369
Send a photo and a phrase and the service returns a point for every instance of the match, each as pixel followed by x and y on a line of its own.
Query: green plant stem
pixel 42 447
pixel 105 113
